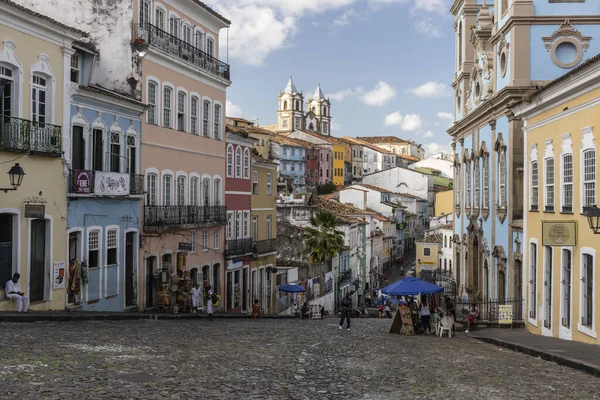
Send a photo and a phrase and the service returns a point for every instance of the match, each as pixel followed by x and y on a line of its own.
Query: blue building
pixel 102 153
pixel 291 155
pixel 504 50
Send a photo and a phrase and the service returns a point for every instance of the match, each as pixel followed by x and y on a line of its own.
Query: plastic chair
pixel 445 324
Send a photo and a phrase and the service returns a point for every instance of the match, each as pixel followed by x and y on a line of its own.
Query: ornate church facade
pixel 293 114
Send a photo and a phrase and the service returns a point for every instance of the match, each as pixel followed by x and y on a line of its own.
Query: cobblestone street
pixel 267 359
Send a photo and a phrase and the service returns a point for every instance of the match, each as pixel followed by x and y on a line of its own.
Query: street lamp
pixel 15 176
pixel 593 216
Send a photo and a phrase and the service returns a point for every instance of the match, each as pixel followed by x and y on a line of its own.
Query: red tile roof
pixel 382 139
pixel 369 145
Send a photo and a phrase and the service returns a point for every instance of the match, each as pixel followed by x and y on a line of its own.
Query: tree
pixel 322 240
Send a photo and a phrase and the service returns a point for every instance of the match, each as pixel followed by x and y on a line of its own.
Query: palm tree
pixel 322 240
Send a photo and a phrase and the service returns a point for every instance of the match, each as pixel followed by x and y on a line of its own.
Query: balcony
pixel 100 183
pixel 266 246
pixel 238 247
pixel 24 136
pixel 174 46
pixel 346 275
pixel 165 217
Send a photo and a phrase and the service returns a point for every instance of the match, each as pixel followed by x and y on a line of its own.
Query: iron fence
pixel 265 246
pixel 173 45
pixel 25 136
pixel 238 247
pixel 488 310
pixel 171 216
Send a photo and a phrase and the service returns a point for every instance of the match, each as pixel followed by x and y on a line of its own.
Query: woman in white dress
pixel 209 303
pixel 196 293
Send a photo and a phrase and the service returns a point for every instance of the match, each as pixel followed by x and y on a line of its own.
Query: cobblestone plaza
pixel 267 359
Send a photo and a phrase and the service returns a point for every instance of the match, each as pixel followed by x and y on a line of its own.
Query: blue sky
pixel 386 64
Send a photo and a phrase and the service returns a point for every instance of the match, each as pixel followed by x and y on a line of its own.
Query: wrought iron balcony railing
pixel 238 247
pixel 266 246
pixel 83 182
pixel 346 275
pixel 176 216
pixel 173 45
pixel 25 136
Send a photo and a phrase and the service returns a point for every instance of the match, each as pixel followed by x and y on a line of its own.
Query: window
pixel 268 227
pixel 549 184
pixel 166 190
pixel 194 191
pixel 284 123
pixel 151 189
pixel 131 154
pixel 206 192
pixel 174 28
pixel 145 12
pixel 468 181
pixel 160 19
pixel 293 152
pixel 246 223
pixel 254 182
pixel 247 164
pixel 75 61
pixel 589 178
pixel 255 227
pixel 217 122
pixel 229 225
pixel 152 103
pixel 115 152
pixel 533 280
pixel 476 182
pixel 217 192
pixel 297 121
pixel 180 191
pixel 567 188
pixel 426 252
pixel 7 96
pixel 111 247
pixel 193 239
pixel 181 103
pixel 238 162
pixel 587 293
pixel 210 46
pixel 205 117
pixel 205 240
pixel 458 183
pixel 238 224
pixel 502 178
pixel 167 94
pixel 216 239
pixel 269 184
pixel 94 249
pixel 78 148
pixel 230 161
pixel 548 286
pixel 199 40
pixel 325 128
pixel 187 34
pixel 194 116
pixel 566 289
pixel 534 185
pixel 39 92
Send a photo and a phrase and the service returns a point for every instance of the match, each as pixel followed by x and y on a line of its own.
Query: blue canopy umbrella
pixel 411 286
pixel 291 288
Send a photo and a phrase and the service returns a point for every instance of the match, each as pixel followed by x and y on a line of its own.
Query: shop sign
pixel 35 210
pixel 183 246
pixel 559 233
pixel 83 182
pixel 235 263
pixel 111 184
pixel 59 275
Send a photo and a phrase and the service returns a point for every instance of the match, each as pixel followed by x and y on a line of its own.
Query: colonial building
pixel 559 250
pixel 374 158
pixel 290 155
pixel 397 146
pixel 335 147
pixel 183 151
pixel 35 64
pixel 504 49
pixel 105 189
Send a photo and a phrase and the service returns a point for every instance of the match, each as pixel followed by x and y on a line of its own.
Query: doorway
pixel 7 244
pixel 130 269
pixel 74 284
pixel 37 260
pixel 244 290
pixel 151 288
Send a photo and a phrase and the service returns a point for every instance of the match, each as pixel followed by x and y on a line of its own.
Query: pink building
pixel 325 164
pixel 238 245
pixel 183 149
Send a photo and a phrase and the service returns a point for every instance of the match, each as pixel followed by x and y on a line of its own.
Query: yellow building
pixel 35 65
pixel 559 250
pixel 428 252
pixel 338 164
pixel 444 203
pixel 263 214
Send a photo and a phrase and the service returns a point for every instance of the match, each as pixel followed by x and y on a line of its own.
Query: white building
pixel 403 180
pixel 374 158
pixel 444 165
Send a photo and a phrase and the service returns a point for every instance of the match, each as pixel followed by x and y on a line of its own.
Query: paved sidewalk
pixel 581 356
pixel 35 316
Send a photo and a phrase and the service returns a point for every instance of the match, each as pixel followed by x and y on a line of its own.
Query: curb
pixel 536 352
pixel 121 317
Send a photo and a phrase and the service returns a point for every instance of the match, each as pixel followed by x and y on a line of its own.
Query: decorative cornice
pixel 566 30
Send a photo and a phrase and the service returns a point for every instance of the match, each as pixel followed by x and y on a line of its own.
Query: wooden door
pixel 37 266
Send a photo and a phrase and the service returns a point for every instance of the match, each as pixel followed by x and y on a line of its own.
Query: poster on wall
pixel 111 183
pixel 83 182
pixel 59 275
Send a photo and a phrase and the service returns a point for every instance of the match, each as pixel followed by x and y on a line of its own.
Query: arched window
pixel 181 111
pixel 230 161
pixel 217 193
pixel 194 191
pixel 9 94
pixel 40 107
pixel 167 106
pixel 238 162
pixel 167 189
pixel 151 189
pixel 194 115
pixel 247 164
pixel 324 111
pixel 285 104
pixel 217 122
pixel 206 192
pixel 151 101
pixel 180 190
pixel 115 152
pixel 297 105
pixel 205 117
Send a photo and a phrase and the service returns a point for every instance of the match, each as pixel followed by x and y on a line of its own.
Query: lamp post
pixel 15 177
pixel 593 216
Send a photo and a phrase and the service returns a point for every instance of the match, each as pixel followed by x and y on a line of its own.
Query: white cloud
pixel 342 94
pixel 432 148
pixel 232 110
pixel 380 95
pixel 426 27
pixel 428 134
pixel 446 116
pixel 432 89
pixel 432 6
pixel 343 19
pixel 409 122
pixel 335 125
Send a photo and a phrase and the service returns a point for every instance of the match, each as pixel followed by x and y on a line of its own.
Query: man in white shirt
pixel 13 293
pixel 196 293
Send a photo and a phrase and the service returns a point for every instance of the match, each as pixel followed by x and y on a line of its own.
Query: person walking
pixel 209 303
pixel 346 308
pixel 12 292
pixel 425 317
pixel 196 293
